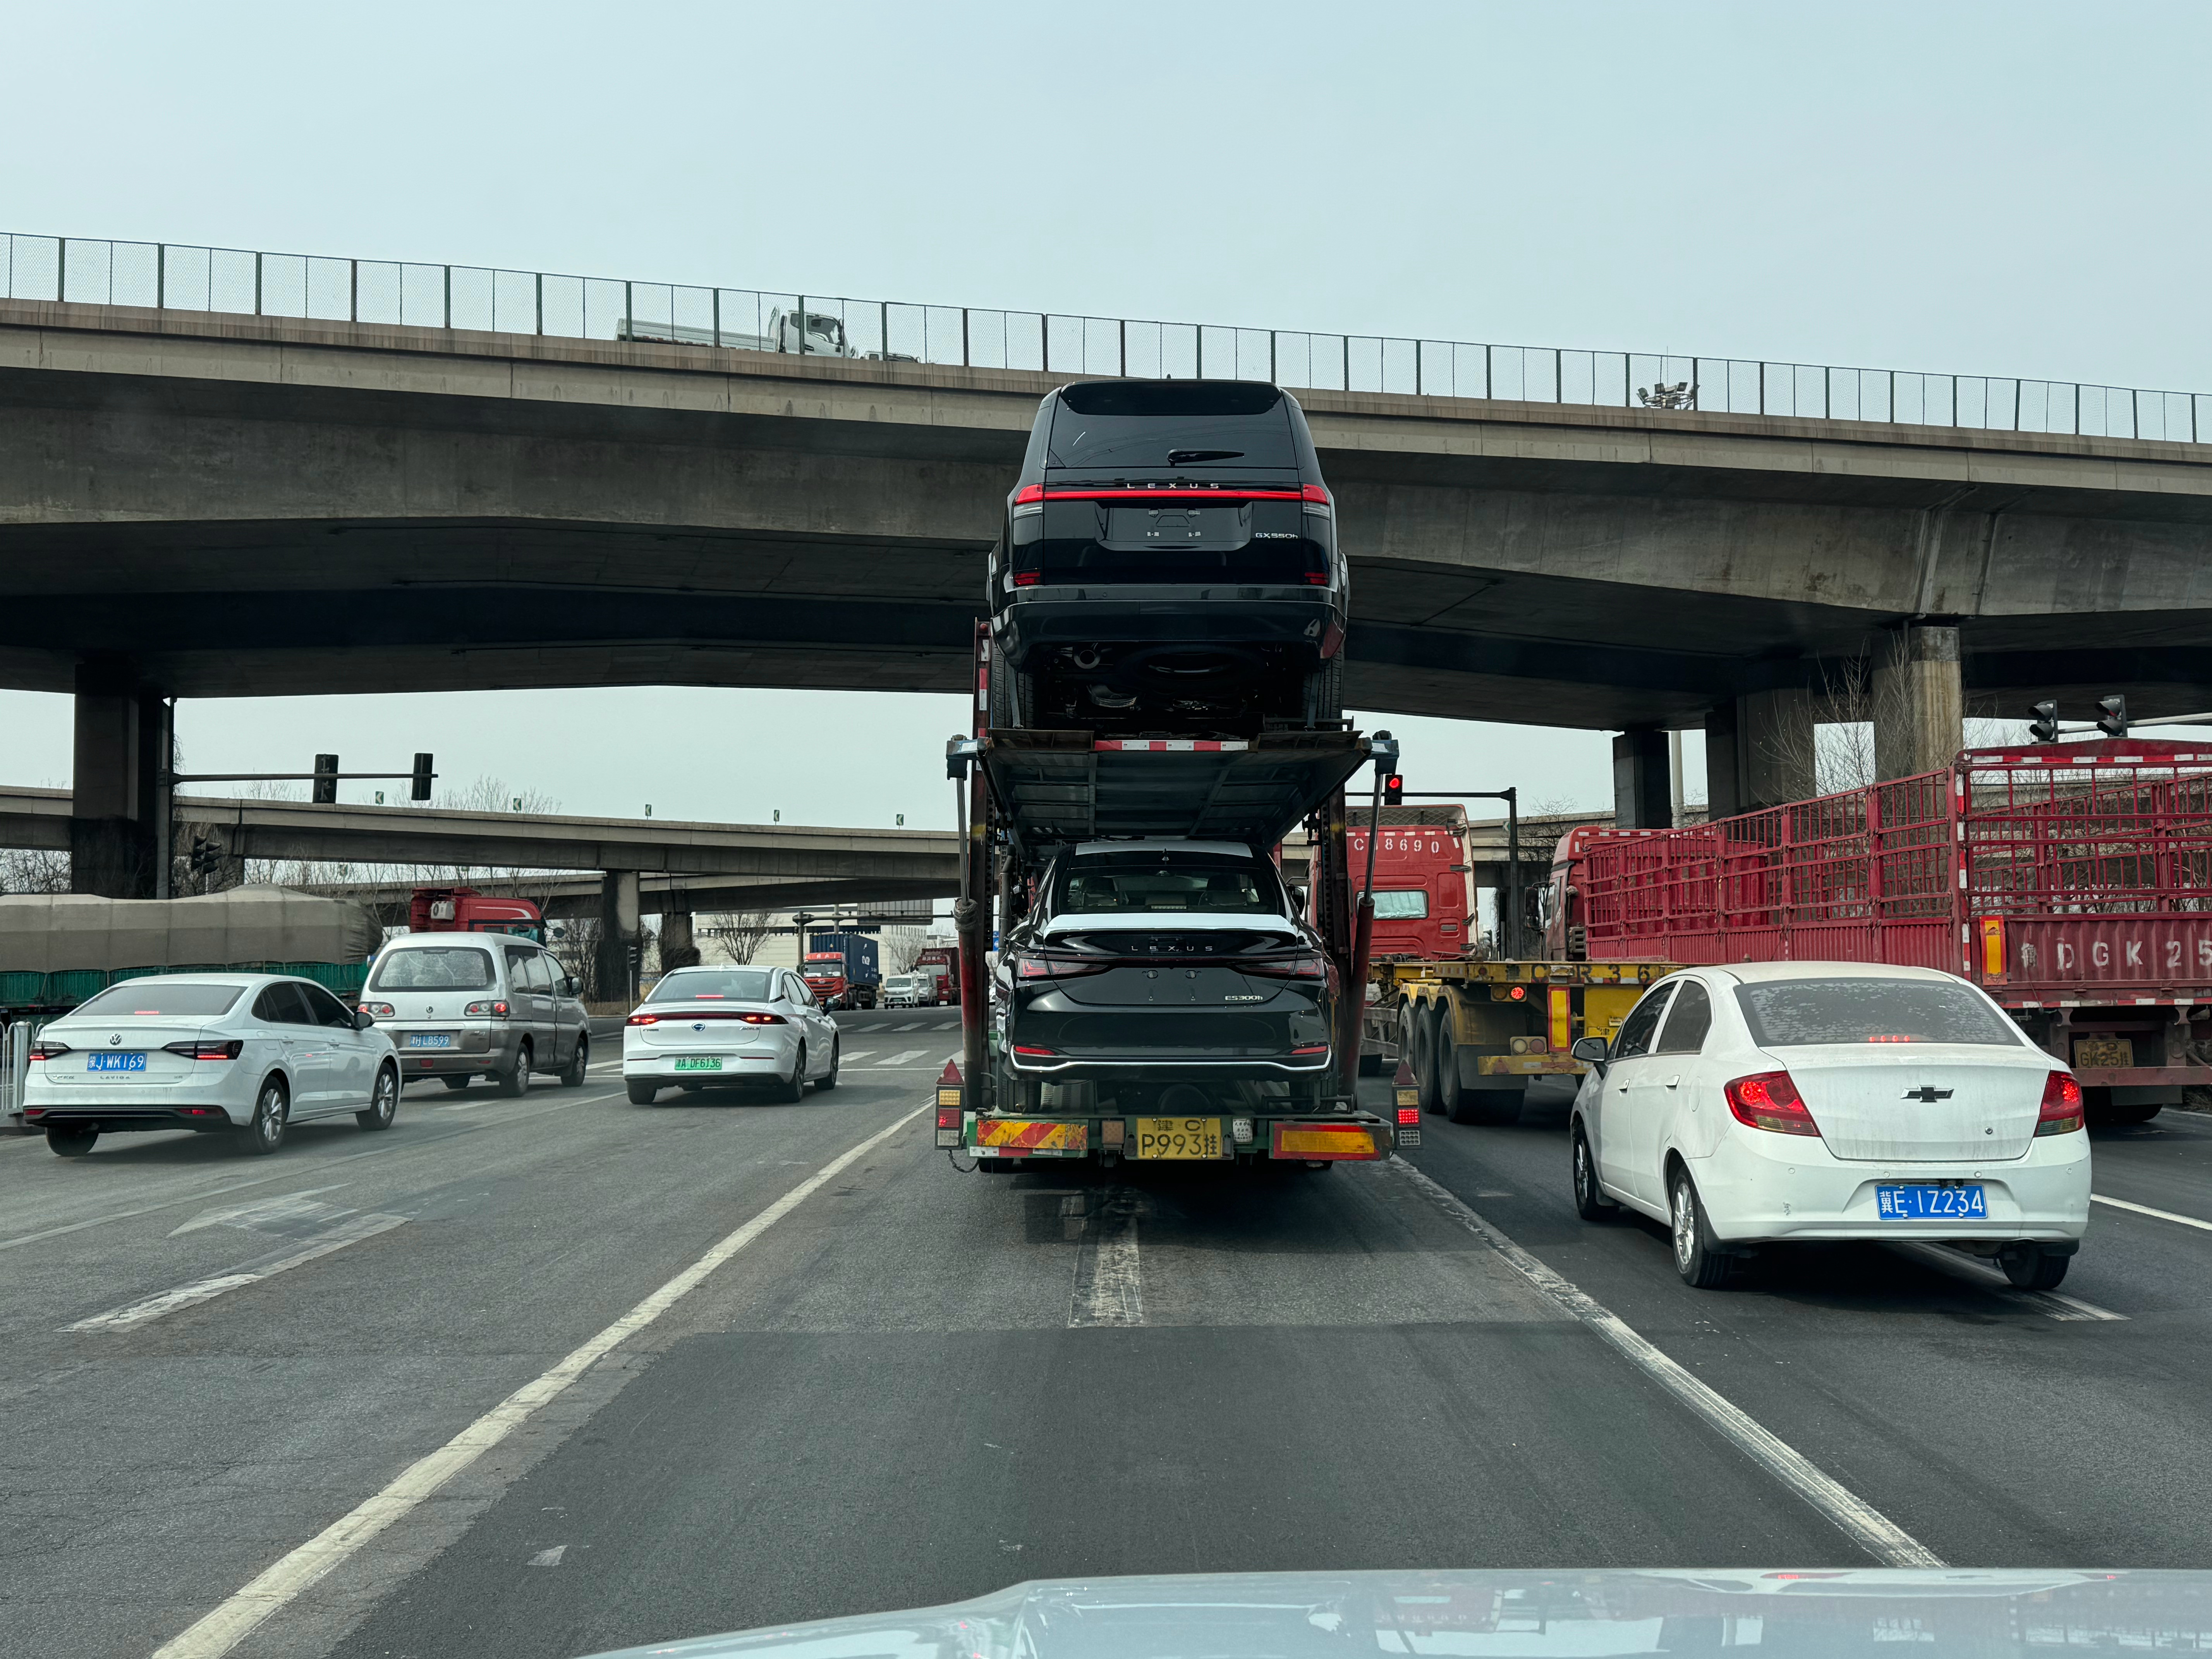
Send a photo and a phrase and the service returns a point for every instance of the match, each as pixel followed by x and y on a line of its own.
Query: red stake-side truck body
pixel 944 962
pixel 1029 793
pixel 2073 882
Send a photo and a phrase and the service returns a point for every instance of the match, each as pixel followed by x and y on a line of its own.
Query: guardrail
pixel 175 276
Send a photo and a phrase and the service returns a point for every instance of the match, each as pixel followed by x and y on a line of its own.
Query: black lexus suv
pixel 1168 565
pixel 1147 964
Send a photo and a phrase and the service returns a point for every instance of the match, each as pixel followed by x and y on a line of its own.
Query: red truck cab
pixel 1423 889
pixel 465 910
pixel 825 974
pixel 942 962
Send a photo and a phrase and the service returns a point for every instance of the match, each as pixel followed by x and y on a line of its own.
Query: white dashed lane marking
pixel 206 1290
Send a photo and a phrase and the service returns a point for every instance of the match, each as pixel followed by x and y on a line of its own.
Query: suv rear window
pixel 1147 881
pixel 433 967
pixel 158 998
pixel 1120 426
pixel 1793 1014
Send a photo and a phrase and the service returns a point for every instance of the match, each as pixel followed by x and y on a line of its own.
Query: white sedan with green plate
pixel 702 1027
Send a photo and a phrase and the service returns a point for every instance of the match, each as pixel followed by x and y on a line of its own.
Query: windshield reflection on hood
pixel 1812 1613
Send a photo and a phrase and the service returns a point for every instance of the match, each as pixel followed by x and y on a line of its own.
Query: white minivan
pixel 458 1005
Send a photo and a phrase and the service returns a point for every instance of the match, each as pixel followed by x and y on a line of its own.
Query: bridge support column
pixel 119 806
pixel 677 949
pixel 1758 752
pixel 1642 782
pixel 619 927
pixel 1919 705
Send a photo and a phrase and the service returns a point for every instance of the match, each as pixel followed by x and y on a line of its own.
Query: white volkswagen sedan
pixel 701 1027
pixel 1767 1101
pixel 246 1054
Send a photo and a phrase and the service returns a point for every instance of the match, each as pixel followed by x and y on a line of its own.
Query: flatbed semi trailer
pixel 1476 1034
pixel 1026 795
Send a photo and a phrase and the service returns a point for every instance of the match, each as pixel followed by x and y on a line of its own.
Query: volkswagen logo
pixel 114 1040
pixel 700 1026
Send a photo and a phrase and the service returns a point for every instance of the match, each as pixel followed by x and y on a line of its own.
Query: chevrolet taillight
pixel 2061 1112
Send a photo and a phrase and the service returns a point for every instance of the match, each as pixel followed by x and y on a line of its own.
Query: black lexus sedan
pixel 1168 564
pixel 1146 963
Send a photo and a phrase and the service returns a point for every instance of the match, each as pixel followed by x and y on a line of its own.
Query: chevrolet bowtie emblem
pixel 1928 1094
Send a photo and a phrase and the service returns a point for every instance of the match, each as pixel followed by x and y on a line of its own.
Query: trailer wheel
pixel 1422 1022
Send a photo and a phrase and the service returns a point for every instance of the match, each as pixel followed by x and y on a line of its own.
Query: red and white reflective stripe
pixel 2106 1002
pixel 1177 746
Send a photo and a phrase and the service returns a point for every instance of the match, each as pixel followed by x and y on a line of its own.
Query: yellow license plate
pixel 1179 1137
pixel 2104 1051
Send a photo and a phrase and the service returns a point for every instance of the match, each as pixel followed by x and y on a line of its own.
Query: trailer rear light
pixel 1770 1101
pixel 2061 1112
pixel 229 1050
pixel 1516 993
pixel 948 1117
pixel 1240 1130
pixel 1409 1115
pixel 377 1010
pixel 48 1048
pixel 485 1010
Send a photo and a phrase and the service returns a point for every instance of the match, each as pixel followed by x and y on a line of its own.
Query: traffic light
pixel 1394 789
pixel 2044 728
pixel 419 786
pixel 206 855
pixel 2112 716
pixel 326 780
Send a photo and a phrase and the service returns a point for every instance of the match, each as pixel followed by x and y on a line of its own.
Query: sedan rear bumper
pixel 1805 1192
pixel 125 1119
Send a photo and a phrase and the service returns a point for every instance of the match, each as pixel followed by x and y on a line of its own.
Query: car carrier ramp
pixel 1055 788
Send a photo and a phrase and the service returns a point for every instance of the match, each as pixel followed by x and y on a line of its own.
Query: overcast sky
pixel 2008 189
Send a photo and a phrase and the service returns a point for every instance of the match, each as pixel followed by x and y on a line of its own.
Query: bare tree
pixel 34 871
pixel 901 949
pixel 737 935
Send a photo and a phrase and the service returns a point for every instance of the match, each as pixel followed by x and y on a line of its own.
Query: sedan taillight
pixel 2061 1112
pixel 229 1050
pixel 1056 967
pixel 48 1048
pixel 1770 1101
pixel 1307 966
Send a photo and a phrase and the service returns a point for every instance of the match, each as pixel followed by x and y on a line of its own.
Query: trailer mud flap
pixel 1012 1137
pixel 1328 1142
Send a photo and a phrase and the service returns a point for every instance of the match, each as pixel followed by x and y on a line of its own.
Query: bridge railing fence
pixel 179 277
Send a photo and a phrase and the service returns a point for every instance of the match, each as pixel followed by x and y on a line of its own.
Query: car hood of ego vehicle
pixel 1809 1614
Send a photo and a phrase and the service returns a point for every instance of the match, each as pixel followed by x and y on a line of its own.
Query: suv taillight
pixel 2061 1112
pixel 1770 1101
pixel 485 1011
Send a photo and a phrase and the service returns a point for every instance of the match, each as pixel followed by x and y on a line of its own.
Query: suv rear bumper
pixel 1036 619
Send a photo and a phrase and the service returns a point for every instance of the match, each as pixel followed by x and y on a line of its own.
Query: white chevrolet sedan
pixel 1762 1103
pixel 704 1027
pixel 245 1053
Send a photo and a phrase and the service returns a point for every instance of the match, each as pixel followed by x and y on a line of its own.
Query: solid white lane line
pixel 1109 1285
pixel 1858 1520
pixel 226 1625
pixel 2145 1209
pixel 2052 1304
pixel 206 1290
pixel 901 1057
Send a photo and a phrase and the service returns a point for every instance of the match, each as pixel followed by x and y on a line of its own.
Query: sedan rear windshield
pixel 1105 883
pixel 159 998
pixel 1152 428
pixel 433 967
pixel 713 985
pixel 1793 1014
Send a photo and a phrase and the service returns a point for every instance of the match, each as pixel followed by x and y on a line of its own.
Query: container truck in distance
pixel 2071 881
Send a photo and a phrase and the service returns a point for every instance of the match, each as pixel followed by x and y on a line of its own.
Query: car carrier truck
pixel 2071 881
pixel 1031 796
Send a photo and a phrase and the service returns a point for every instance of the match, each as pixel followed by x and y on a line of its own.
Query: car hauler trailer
pixel 1029 794
pixel 2071 881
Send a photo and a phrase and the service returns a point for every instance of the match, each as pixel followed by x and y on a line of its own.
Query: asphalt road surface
pixel 551 1376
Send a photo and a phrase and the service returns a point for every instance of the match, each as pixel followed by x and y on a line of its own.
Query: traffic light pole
pixel 1508 926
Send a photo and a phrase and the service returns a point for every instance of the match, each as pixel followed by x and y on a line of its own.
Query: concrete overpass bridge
pixel 204 503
